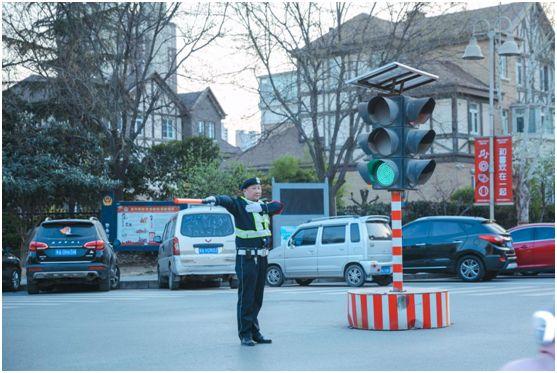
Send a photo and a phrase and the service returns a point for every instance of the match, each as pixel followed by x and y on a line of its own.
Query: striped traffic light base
pixel 382 309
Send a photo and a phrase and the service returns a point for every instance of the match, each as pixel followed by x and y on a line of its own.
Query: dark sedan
pixel 473 248
pixel 11 271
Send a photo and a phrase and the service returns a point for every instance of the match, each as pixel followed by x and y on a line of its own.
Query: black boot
pixel 260 339
pixel 247 341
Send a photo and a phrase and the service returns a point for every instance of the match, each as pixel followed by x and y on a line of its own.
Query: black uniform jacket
pixel 244 220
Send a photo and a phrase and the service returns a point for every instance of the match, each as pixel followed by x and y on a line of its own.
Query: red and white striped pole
pixel 396 243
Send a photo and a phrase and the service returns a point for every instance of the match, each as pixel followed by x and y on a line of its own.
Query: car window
pixel 66 230
pixel 354 232
pixel 446 228
pixel 523 235
pixel 333 234
pixel 416 230
pixel 207 225
pixel 378 230
pixel 544 233
pixel 493 228
pixel 305 237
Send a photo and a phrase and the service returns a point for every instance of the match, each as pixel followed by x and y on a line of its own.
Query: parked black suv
pixel 71 251
pixel 473 248
pixel 11 271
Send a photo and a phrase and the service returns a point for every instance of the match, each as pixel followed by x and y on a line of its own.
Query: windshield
pixel 65 231
pixel 207 225
pixel 378 230
pixel 494 228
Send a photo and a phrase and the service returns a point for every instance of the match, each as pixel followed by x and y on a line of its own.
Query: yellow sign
pixel 107 201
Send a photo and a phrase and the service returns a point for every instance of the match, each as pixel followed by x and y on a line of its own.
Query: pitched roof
pixel 423 32
pixel 191 99
pixel 281 141
pixel 228 149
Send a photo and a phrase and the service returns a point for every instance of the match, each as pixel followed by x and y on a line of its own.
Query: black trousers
pixel 251 272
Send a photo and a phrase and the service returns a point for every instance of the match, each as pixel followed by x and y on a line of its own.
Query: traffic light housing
pixel 395 141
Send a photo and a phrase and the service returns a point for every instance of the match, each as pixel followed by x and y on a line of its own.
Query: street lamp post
pixel 474 52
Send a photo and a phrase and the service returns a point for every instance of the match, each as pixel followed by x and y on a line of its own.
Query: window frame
pixel 474 108
pixel 333 226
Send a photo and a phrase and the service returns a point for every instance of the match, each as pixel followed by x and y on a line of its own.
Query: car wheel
pixel 275 277
pixel 304 281
pixel 32 287
pixel 115 280
pixel 355 275
pixel 383 280
pixel 104 284
pixel 233 282
pixel 470 268
pixel 163 282
pixel 15 279
pixel 173 281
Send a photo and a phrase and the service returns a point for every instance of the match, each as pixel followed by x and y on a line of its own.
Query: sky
pixel 222 67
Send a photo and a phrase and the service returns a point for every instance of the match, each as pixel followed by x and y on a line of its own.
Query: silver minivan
pixel 355 248
pixel 198 243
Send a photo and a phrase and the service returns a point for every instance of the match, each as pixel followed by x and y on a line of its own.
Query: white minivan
pixel 351 247
pixel 198 243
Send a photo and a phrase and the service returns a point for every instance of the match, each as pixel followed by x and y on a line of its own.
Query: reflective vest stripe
pixel 262 223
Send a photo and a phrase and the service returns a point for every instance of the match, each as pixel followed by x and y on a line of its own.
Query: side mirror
pixel 158 239
pixel 116 243
pixel 290 243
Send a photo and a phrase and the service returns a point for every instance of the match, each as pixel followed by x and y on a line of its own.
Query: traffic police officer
pixel 253 240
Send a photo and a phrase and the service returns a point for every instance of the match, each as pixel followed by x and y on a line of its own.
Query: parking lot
pixel 195 329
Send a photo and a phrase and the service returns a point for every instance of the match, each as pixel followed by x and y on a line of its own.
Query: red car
pixel 535 247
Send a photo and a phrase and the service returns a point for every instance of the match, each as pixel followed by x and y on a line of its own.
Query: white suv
pixel 351 247
pixel 197 243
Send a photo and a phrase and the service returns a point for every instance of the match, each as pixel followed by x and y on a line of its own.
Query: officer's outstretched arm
pixel 226 202
pixel 273 207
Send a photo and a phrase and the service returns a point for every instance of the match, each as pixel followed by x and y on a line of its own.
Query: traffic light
pixel 395 142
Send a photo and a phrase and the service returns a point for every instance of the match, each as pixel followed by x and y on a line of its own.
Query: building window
pixel 201 128
pixel 137 124
pixel 505 120
pixel 544 78
pixel 473 119
pixel 503 71
pixel 519 121
pixel 210 128
pixel 519 77
pixel 167 129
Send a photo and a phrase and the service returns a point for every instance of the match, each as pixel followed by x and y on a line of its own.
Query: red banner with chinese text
pixel 481 170
pixel 502 170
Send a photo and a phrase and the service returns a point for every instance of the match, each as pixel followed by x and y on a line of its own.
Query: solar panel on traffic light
pixel 395 141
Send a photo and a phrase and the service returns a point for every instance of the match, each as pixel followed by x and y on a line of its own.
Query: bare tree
pixel 321 51
pixel 108 66
pixel 532 150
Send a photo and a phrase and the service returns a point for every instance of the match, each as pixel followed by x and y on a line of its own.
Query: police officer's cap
pixel 249 182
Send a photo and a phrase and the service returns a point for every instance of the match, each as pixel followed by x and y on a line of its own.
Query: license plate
pixel 385 269
pixel 512 265
pixel 209 250
pixel 65 252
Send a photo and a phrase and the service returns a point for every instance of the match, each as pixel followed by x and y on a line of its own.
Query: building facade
pixel 524 100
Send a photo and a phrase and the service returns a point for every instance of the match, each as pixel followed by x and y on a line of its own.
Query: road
pixel 196 330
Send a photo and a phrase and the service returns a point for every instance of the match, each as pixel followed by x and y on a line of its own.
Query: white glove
pixel 210 200
pixel 254 207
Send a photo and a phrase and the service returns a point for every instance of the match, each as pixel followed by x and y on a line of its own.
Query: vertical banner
pixel 503 169
pixel 481 170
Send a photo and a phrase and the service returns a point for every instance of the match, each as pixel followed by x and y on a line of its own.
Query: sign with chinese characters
pixel 502 170
pixel 138 225
pixel 481 170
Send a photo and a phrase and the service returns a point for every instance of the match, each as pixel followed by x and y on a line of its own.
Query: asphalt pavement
pixel 195 329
